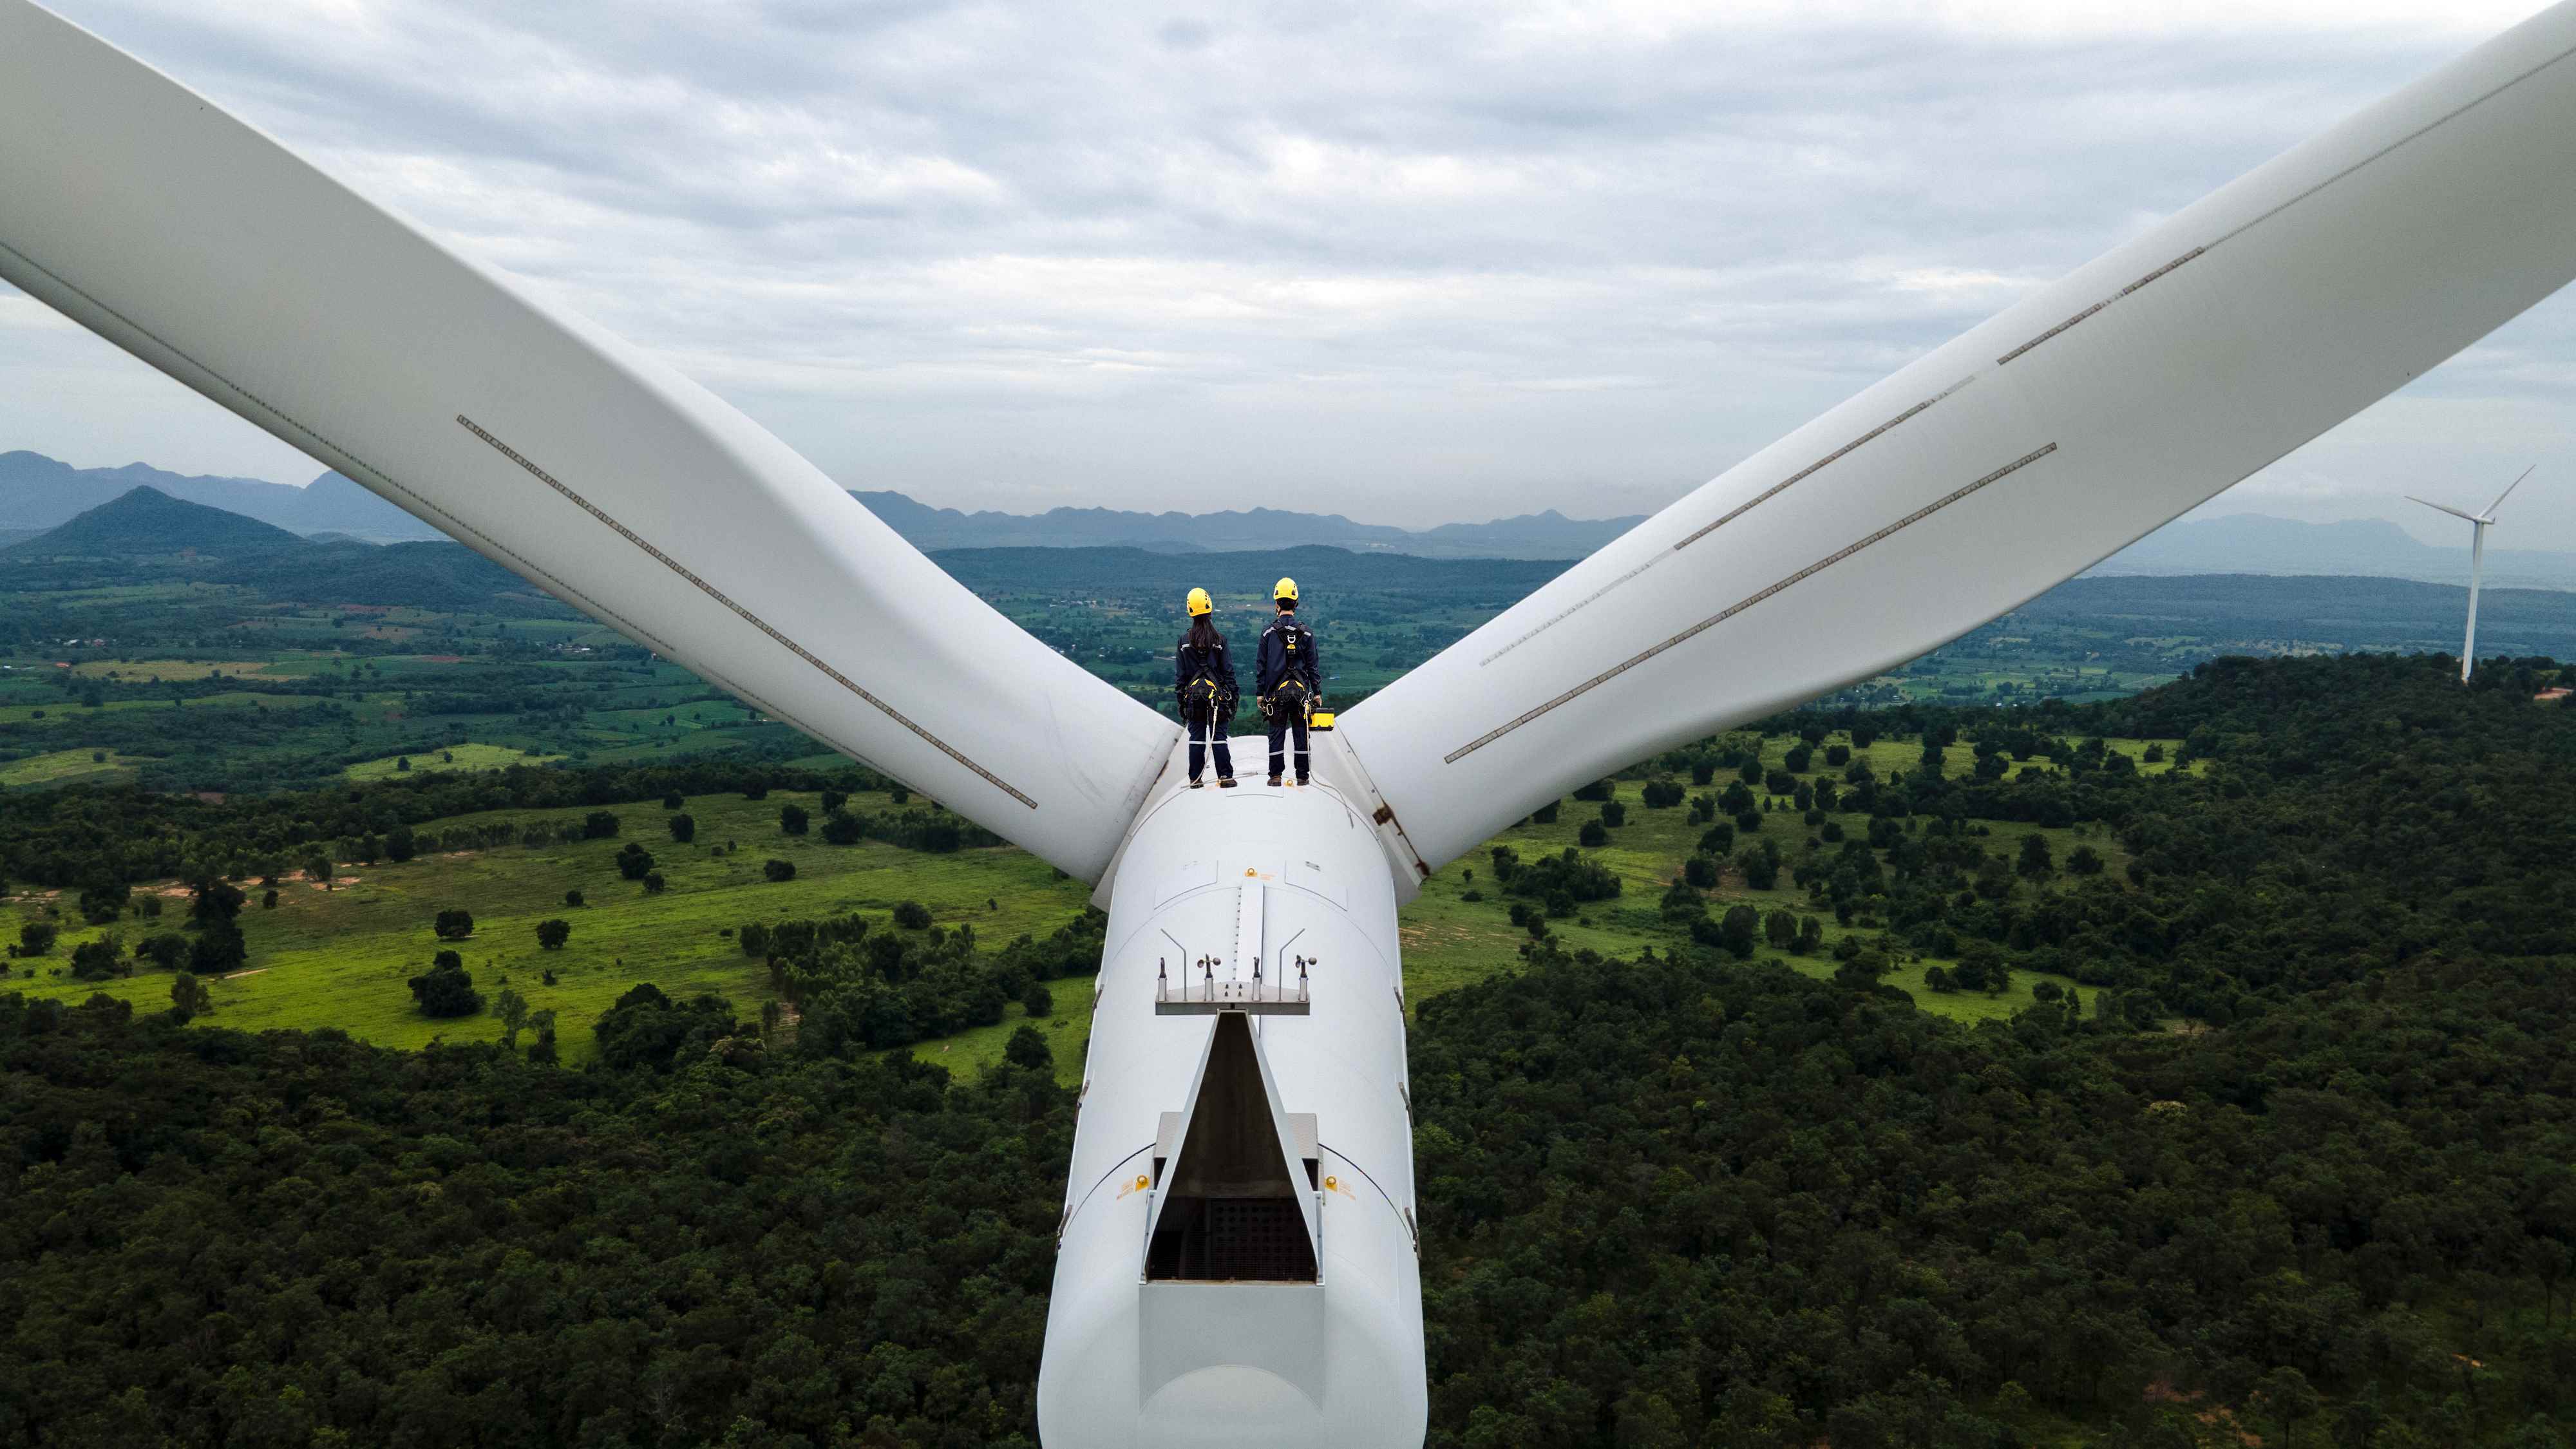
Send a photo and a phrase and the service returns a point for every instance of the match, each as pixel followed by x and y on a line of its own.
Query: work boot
pixel 1226 784
pixel 1198 784
pixel 1274 782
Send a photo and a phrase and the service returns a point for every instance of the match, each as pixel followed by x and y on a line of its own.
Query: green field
pixel 467 757
pixel 342 957
pixel 66 767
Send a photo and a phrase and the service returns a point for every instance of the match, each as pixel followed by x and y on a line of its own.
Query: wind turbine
pixel 1238 1259
pixel 2477 561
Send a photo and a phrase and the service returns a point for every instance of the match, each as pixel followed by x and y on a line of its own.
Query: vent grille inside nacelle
pixel 1230 1207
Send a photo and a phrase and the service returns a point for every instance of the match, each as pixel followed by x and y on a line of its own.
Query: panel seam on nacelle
pixel 747 616
pixel 1720 617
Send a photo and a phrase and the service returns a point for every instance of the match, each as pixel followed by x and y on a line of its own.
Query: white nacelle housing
pixel 1193 1344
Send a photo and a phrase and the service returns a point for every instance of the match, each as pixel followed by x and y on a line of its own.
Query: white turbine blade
pixel 200 246
pixel 2508 492
pixel 2446 508
pixel 2015 456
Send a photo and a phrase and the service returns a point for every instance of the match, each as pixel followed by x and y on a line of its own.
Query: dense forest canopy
pixel 2296 1165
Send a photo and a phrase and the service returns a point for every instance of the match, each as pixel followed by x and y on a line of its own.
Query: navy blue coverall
pixel 1289 679
pixel 1206 708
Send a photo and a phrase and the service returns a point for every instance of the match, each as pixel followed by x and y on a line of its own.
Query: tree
pixel 648 1029
pixel 572 898
pixel 512 1008
pixel 1613 814
pixel 1737 930
pixel 599 825
pixel 1862 971
pixel 829 800
pixel 2084 860
pixel 684 827
pixel 912 915
pixel 446 989
pixel 654 884
pixel 792 818
pixel 215 899
pixel 99 959
pixel 779 870
pixel 672 801
pixel 168 950
pixel 1546 814
pixel 2287 1396
pixel 1593 834
pixel 317 869
pixel 1700 871
pixel 1780 928
pixel 1027 1049
pixel 1037 1001
pixel 634 862
pixel 542 1050
pixel 401 844
pixel 453 925
pixel 552 933
pixel 189 997
pixel 2035 863
pixel 1759 865
pixel 840 827
pixel 36 938
pixel 104 901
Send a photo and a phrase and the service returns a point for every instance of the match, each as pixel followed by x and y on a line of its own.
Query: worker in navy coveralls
pixel 1203 681
pixel 1290 679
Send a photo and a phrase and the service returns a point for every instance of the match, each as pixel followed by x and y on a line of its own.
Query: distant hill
pixel 1549 535
pixel 146 521
pixel 2350 613
pixel 439 575
pixel 1327 575
pixel 41 492
pixel 2253 543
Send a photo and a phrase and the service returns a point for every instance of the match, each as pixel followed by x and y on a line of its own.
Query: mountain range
pixel 40 492
pixel 1549 535
pixel 2251 543
pixel 37 492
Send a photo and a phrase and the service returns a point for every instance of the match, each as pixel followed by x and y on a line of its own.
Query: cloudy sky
pixel 1407 260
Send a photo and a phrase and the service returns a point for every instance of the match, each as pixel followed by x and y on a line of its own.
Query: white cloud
pixel 1409 260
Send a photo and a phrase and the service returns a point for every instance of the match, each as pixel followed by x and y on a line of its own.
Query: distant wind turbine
pixel 2477 561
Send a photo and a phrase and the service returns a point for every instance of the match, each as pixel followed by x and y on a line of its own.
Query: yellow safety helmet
pixel 1200 603
pixel 1284 589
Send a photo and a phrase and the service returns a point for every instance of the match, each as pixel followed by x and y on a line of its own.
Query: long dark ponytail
pixel 1202 634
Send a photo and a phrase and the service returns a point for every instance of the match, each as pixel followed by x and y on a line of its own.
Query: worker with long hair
pixel 1203 680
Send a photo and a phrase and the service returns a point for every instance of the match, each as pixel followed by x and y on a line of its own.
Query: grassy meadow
pixel 342 956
